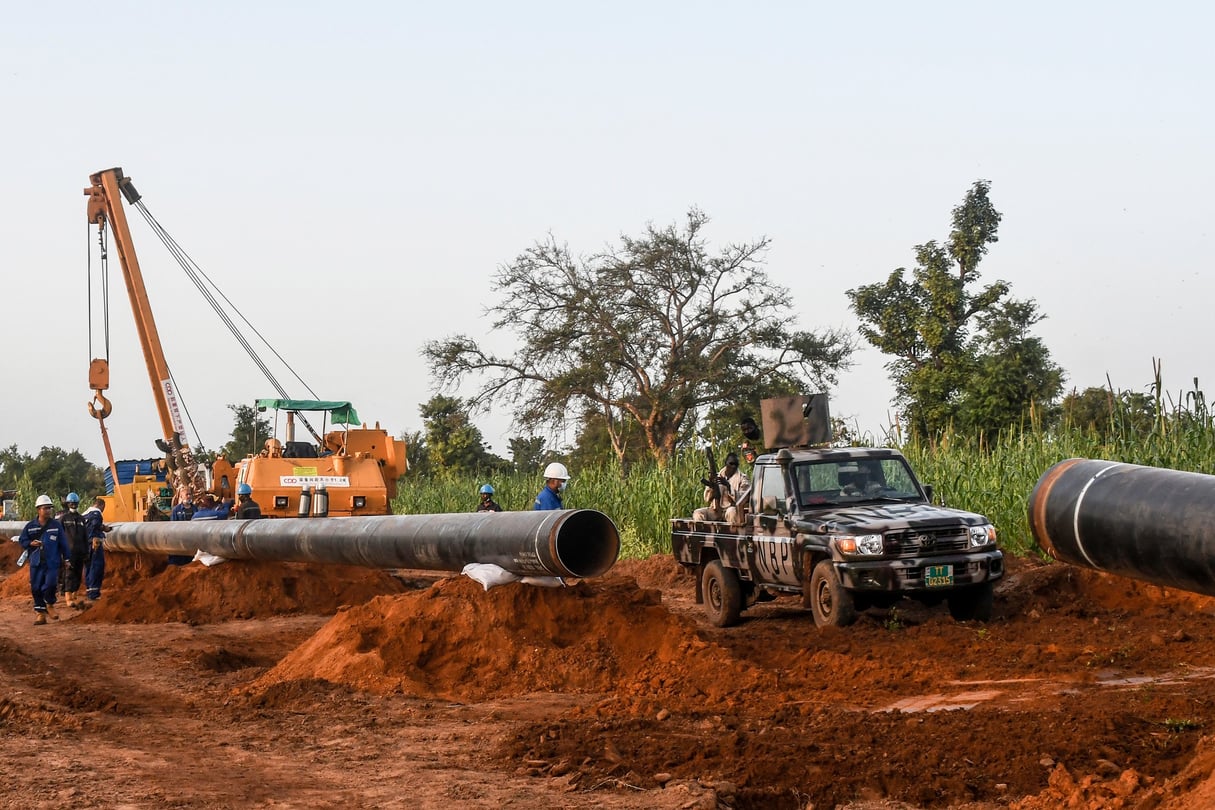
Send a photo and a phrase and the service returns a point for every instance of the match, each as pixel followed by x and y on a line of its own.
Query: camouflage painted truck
pixel 844 529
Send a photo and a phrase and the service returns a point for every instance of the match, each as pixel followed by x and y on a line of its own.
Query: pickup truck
pixel 845 529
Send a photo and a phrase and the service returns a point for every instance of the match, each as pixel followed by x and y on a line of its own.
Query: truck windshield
pixel 851 480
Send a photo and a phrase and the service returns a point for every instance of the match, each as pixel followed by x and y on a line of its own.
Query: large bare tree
pixel 648 333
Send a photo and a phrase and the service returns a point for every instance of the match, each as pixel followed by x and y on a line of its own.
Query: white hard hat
pixel 43 500
pixel 556 470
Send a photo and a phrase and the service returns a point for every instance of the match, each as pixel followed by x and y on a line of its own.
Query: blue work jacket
pixel 54 543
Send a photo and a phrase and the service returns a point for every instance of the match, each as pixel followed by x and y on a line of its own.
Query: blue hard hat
pixel 244 489
pixel 72 497
pixel 487 490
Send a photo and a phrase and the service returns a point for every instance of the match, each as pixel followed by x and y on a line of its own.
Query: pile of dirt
pixel 9 552
pixel 1086 690
pixel 1060 588
pixel 459 642
pixel 143 588
pixel 1192 789
pixel 658 572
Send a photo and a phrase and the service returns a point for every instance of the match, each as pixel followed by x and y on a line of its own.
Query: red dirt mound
pixel 459 642
pixel 9 552
pixel 659 572
pixel 140 590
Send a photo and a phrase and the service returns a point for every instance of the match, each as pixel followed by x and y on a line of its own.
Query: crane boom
pixel 105 206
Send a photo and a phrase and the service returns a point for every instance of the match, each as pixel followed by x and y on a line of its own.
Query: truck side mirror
pixel 928 492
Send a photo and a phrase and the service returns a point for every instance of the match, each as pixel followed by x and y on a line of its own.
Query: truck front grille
pixel 920 542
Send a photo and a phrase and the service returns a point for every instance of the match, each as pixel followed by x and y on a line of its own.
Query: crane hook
pixel 99 407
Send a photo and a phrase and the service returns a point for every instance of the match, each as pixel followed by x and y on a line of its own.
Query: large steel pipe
pixel 12 527
pixel 1145 523
pixel 565 543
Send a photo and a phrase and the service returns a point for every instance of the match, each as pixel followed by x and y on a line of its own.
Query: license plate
pixel 938 576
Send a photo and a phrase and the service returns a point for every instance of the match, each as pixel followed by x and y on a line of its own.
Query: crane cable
pixel 211 293
pixel 98 398
pixel 104 252
pixel 105 289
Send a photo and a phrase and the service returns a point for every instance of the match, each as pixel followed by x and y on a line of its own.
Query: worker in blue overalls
pixel 46 541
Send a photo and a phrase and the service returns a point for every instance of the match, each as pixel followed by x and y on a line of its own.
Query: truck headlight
pixel 859 543
pixel 982 535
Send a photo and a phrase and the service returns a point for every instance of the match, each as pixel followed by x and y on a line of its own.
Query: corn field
pixel 641 500
pixel 993 478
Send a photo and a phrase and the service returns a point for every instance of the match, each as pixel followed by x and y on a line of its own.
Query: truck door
pixel 773 544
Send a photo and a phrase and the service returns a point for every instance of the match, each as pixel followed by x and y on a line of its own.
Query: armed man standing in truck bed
pixel 721 499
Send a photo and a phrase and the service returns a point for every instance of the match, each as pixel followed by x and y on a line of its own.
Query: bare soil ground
pixel 286 685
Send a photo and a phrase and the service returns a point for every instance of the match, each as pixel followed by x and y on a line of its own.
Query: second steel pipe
pixel 565 543
pixel 1146 523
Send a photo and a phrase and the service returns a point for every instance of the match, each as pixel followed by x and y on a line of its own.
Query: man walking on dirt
pixel 95 531
pixel 44 539
pixel 77 549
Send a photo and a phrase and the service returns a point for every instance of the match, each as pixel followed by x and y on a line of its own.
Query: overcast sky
pixel 353 175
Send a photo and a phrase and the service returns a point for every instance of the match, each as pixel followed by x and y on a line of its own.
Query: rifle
pixel 711 481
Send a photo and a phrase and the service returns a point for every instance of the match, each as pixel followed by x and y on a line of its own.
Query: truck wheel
pixel 831 604
pixel 971 603
pixel 722 594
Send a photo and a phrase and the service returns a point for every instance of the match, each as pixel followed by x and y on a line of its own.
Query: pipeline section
pixel 1147 523
pixel 564 543
pixel 12 528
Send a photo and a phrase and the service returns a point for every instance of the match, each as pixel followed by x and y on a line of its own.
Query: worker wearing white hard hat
pixel 555 478
pixel 44 539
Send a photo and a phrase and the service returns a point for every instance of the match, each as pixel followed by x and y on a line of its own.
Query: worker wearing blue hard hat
pixel 246 507
pixel 75 554
pixel 488 504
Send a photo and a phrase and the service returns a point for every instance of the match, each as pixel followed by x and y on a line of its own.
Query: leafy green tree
pixel 646 334
pixel 54 472
pixel 603 435
pixel 526 452
pixel 203 456
pixel 455 444
pixel 1013 370
pixel 1109 413
pixel 249 432
pixel 417 454
pixel 12 466
pixel 961 355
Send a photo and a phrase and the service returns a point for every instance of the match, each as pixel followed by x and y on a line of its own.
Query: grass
pixel 1179 724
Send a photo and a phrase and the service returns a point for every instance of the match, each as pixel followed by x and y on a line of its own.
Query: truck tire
pixel 974 602
pixel 831 604
pixel 722 594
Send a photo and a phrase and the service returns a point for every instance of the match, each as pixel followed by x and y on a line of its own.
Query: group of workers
pixel 209 507
pixel 65 548
pixel 61 550
pixel 556 478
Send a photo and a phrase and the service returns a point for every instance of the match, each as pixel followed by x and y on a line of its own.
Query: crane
pixel 105 208
pixel 359 465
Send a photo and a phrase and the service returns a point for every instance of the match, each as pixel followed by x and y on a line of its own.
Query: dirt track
pixel 262 685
